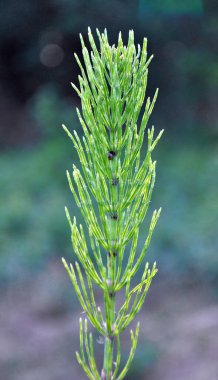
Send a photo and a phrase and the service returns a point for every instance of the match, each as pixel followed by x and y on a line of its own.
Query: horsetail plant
pixel 113 192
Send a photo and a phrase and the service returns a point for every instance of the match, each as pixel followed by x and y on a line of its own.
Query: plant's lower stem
pixel 109 338
pixel 108 358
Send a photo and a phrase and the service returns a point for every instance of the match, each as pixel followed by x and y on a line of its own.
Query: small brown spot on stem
pixel 115 181
pixel 114 216
pixel 111 154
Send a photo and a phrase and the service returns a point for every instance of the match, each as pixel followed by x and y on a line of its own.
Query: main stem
pixel 109 297
pixel 109 338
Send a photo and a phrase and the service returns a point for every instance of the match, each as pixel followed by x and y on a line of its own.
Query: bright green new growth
pixel 117 180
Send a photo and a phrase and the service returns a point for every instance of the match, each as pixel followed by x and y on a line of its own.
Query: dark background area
pixel 39 312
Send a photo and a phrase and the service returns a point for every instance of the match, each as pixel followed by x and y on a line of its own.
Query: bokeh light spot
pixel 51 55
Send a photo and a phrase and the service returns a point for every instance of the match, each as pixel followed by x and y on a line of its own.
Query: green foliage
pixel 119 180
pixel 187 235
pixel 32 225
pixel 49 110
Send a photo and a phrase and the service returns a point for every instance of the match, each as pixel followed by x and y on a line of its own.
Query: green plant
pixel 120 183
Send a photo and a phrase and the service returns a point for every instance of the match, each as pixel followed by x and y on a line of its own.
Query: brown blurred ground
pixel 39 333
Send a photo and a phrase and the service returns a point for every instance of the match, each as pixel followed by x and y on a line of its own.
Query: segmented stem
pixel 109 298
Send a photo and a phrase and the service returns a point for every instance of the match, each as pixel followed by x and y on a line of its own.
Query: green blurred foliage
pixel 187 239
pixel 50 110
pixel 32 199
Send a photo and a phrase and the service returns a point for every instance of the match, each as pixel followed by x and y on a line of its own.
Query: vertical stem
pixel 109 298
pixel 109 339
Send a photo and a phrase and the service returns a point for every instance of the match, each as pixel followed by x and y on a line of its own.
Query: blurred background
pixel 38 309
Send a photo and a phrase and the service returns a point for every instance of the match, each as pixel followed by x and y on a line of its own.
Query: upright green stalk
pixel 111 271
pixel 119 182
